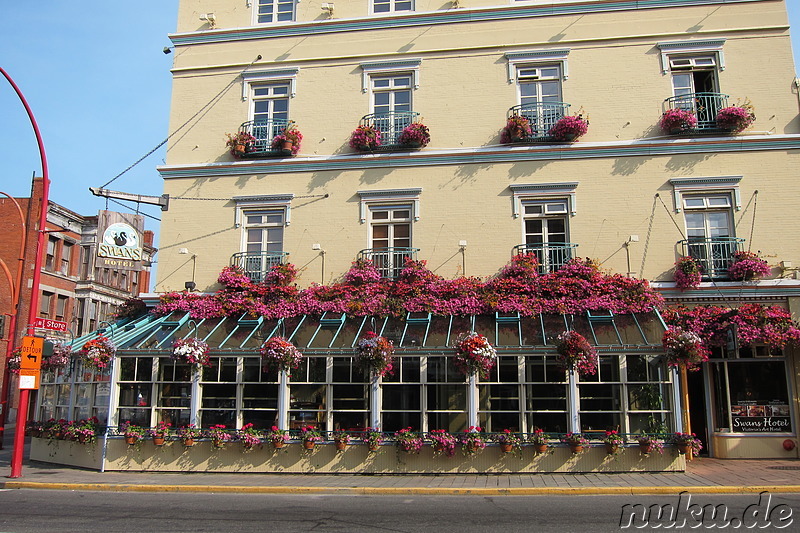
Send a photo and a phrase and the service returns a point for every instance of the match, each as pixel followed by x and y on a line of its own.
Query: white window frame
pixel 389 197
pixel 709 186
pixel 263 203
pixel 273 76
pixel 392 9
pixel 532 59
pixel 706 47
pixel 254 4
pixel 390 207
pixel 389 68
pixel 523 192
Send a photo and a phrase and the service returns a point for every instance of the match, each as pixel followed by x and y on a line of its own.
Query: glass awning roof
pixel 334 332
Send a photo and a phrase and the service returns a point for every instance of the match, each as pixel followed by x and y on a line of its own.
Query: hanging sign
pixel 30 362
pixel 119 241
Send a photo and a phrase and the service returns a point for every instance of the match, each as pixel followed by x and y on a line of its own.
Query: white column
pixel 572 403
pixel 375 400
pixel 194 402
pixel 283 399
pixel 472 400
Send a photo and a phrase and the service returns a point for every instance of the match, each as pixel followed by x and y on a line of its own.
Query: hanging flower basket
pixel 365 139
pixel 62 355
pixel 415 135
pixel 736 118
pixel 474 355
pixel 684 348
pixel 677 120
pixel 517 129
pixel 575 353
pixel 568 129
pixel 688 273
pixel 748 266
pixel 374 354
pixel 281 354
pixel 97 353
pixel 14 361
pixel 192 351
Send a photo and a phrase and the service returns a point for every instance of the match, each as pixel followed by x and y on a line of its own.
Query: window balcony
pixel 704 106
pixel 389 261
pixel 256 264
pixel 390 126
pixel 263 132
pixel 551 256
pixel 542 116
pixel 714 254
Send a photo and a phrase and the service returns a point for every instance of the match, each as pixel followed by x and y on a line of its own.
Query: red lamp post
pixel 24 394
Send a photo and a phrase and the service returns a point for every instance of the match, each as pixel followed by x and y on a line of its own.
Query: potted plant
pixel 688 273
pixel 684 348
pixel 373 438
pixel 736 118
pixel 278 437
pixel 747 266
pixel 132 433
pixel 249 436
pixel 472 441
pixel 281 354
pixel 613 441
pixel 191 351
pixel 540 440
pixel 86 431
pixel 569 128
pixel 687 443
pixel 240 143
pixel 341 439
pixel 365 138
pixel 649 443
pixel 508 441
pixel 310 436
pixel 474 354
pixel 677 120
pixel 517 129
pixel 374 354
pixel 189 434
pixel 576 442
pixel 415 135
pixel 408 441
pixel 288 142
pixel 160 433
pixel 443 442
pixel 97 353
pixel 575 353
pixel 14 361
pixel 219 436
pixel 62 355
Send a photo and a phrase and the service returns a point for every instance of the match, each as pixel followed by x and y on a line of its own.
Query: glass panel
pixel 532 331
pixel 651 326
pixel 401 397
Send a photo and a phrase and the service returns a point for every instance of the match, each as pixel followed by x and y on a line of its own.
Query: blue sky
pixel 98 83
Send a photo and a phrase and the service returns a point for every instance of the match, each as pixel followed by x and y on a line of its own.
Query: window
pixel 86 256
pixel 263 241
pixel 275 11
pixel 390 6
pixel 45 304
pixel 540 97
pixel 709 231
pixel 61 307
pixel 390 238
pixel 50 257
pixel 66 257
pixel 391 105
pixel 545 228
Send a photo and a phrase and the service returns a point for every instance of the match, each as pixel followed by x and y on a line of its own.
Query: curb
pixel 436 491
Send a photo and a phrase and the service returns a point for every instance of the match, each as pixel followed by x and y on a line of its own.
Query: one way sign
pixel 31 362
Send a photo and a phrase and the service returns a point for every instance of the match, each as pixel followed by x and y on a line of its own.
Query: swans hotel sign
pixel 119 241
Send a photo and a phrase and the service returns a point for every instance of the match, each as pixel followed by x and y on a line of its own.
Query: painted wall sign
pixel 752 417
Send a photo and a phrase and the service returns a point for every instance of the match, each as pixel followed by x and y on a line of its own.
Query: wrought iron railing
pixel 714 254
pixel 264 132
pixel 542 116
pixel 389 261
pixel 551 256
pixel 390 125
pixel 705 107
pixel 256 264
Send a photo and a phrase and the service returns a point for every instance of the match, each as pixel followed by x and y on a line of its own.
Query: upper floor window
pixel 392 6
pixel 50 257
pixel 275 11
pixel 546 234
pixel 693 74
pixel 61 307
pixel 391 93
pixel 539 84
pixel 269 109
pixel 264 231
pixel 66 257
pixel 45 304
pixel 390 238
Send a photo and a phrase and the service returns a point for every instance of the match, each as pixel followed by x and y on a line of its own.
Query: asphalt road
pixel 26 510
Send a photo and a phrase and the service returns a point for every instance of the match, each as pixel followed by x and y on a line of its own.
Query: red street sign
pixel 46 323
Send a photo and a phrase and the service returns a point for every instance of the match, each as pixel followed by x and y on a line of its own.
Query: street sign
pixel 30 362
pixel 46 323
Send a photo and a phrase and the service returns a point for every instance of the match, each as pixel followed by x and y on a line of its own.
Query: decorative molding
pixel 255 76
pixel 522 192
pixel 704 46
pixel 380 67
pixel 681 186
pixel 368 198
pixel 517 59
pixel 267 201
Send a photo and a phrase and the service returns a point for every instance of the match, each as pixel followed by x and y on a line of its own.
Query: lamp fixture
pixel 210 18
pixel 167 50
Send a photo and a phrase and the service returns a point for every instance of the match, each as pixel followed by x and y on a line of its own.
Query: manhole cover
pixel 784 467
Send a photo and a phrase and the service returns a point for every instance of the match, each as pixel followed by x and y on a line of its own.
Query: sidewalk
pixel 703 475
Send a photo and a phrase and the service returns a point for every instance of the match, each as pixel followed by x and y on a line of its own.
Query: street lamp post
pixel 24 394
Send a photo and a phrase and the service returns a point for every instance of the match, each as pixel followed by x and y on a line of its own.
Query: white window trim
pixel 254 15
pixel 707 47
pixel 521 59
pixel 389 67
pixel 529 192
pixel 251 78
pixel 371 198
pixel 681 186
pixel 272 201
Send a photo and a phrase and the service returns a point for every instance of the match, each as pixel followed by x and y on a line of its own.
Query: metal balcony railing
pixel 264 132
pixel 256 264
pixel 390 125
pixel 551 256
pixel 389 261
pixel 542 117
pixel 714 254
pixel 705 107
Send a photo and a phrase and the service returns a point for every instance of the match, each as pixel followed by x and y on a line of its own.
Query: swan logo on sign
pixel 120 241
